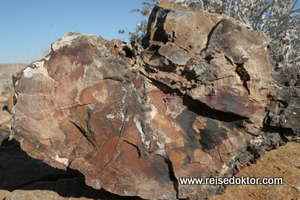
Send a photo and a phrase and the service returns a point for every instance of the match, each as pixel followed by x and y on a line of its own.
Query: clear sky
pixel 28 27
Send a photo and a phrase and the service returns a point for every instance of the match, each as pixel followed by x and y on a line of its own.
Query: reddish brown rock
pixel 200 97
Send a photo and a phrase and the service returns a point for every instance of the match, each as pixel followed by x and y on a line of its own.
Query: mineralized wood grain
pixel 199 97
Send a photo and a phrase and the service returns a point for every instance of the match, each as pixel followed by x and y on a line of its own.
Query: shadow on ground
pixel 20 172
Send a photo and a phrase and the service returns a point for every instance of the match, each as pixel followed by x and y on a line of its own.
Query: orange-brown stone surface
pixel 200 96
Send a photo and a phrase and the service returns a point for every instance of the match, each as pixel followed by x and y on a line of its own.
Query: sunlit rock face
pixel 200 96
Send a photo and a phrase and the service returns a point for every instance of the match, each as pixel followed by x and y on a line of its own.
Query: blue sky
pixel 28 27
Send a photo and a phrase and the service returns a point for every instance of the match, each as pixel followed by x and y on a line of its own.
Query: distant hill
pixel 8 69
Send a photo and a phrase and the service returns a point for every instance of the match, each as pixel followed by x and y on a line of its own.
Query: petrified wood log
pixel 200 96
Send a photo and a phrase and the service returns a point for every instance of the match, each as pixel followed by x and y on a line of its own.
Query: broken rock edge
pixel 251 151
pixel 249 155
pixel 169 162
pixel 233 164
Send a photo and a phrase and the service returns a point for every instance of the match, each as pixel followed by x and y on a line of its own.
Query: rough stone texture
pixel 202 95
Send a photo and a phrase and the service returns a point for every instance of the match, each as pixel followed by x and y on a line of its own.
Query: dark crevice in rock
pixel 135 146
pixel 160 33
pixel 87 135
pixel 5 108
pixel 114 78
pixel 154 48
pixel 129 53
pixel 208 56
pixel 90 133
pixel 211 33
pixel 149 69
pixel 229 60
pixel 202 109
pixel 172 175
pixel 244 75
pixel 281 102
pixel 286 134
pixel 173 36
pixel 76 105
pixel 102 169
pixel 163 87
pixel 199 107
pixel 158 25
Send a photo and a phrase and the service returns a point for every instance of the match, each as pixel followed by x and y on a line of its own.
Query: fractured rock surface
pixel 200 96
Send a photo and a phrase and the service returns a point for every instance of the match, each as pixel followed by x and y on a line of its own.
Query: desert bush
pixel 8 88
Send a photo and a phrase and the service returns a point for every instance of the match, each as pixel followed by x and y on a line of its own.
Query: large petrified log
pixel 201 95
